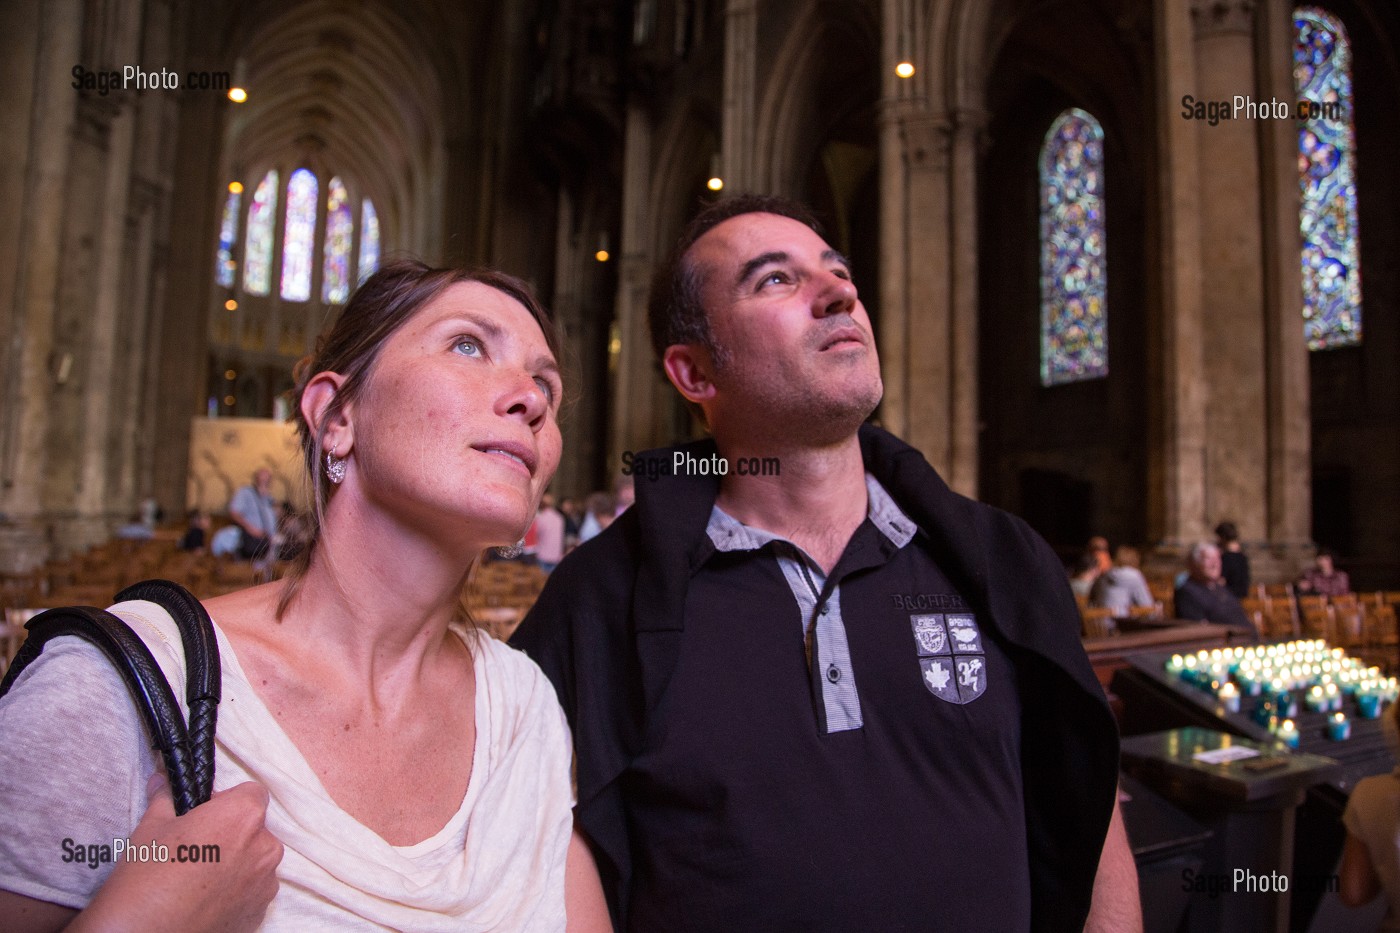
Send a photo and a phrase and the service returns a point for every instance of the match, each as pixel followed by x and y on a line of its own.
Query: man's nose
pixel 838 295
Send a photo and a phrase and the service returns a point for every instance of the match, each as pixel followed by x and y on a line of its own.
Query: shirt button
pixel 833 673
pixel 824 609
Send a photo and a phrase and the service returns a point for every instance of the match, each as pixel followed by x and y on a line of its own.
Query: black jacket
pixel 607 632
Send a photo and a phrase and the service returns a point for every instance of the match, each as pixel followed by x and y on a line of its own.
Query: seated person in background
pixel 1234 565
pixel 1122 586
pixel 196 531
pixel 1371 854
pixel 1323 579
pixel 135 530
pixel 1086 572
pixel 253 509
pixel 1203 595
pixel 601 509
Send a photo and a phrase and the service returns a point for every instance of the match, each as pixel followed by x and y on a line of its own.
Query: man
pixel 1323 578
pixel 1203 595
pixel 549 534
pixel 1234 564
pixel 253 509
pixel 810 687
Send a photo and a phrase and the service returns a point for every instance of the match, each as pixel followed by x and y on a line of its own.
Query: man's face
pixel 1207 566
pixel 1324 564
pixel 794 347
pixel 262 479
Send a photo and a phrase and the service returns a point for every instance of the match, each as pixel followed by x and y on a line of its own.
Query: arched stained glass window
pixel 225 265
pixel 369 241
pixel 1327 175
pixel 1073 311
pixel 340 228
pixel 299 236
pixel 257 258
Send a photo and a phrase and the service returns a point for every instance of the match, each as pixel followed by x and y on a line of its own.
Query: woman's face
pixel 456 428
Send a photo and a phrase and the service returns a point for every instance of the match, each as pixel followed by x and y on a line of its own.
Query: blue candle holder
pixel 1368 705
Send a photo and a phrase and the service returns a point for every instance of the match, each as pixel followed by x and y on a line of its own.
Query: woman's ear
pixel 329 421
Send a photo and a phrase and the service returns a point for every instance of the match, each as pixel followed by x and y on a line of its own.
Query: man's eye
pixel 467 346
pixel 773 278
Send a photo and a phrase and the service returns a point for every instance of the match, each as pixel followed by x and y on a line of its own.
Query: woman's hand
pixel 229 892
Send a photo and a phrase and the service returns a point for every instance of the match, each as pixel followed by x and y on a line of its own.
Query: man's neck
pixel 817 500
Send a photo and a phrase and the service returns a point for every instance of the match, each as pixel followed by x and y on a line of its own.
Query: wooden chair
pixel 1096 622
pixel 1319 623
pixel 1153 611
pixel 1310 602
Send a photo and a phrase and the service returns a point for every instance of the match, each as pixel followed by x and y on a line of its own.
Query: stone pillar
pixel 1286 353
pixel 962 392
pixel 100 403
pixel 566 304
pixel 1232 256
pixel 737 147
pixel 1177 466
pixel 54 29
pixel 927 354
pixel 634 410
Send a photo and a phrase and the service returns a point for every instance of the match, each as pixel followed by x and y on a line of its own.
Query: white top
pixel 77 760
pixel 1373 816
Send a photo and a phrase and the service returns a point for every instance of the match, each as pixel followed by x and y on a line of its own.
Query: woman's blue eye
pixel 467 346
pixel 546 387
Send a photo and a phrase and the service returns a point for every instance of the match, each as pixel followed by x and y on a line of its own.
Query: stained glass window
pixel 1326 173
pixel 1073 312
pixel 369 241
pixel 340 227
pixel 299 236
pixel 257 258
pixel 228 237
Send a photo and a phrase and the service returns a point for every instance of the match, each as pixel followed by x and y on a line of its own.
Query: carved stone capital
pixel 927 141
pixel 1216 17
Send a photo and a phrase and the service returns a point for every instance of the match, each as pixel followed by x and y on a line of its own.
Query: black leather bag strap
pixel 203 674
pixel 189 758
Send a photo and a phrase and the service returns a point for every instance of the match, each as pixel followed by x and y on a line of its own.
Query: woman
pixel 413 772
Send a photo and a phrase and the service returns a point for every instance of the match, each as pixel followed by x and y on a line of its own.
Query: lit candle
pixel 1229 698
pixel 1316 700
pixel 1338 728
pixel 1288 733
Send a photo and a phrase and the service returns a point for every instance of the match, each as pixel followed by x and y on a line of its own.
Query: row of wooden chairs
pixel 496 597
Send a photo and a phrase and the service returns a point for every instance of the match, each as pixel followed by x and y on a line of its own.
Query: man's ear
pixel 690 369
pixel 317 400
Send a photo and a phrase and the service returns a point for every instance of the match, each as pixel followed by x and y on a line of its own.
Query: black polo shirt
pixel 856 768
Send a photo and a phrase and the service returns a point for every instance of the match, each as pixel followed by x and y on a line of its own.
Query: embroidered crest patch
pixel 951 656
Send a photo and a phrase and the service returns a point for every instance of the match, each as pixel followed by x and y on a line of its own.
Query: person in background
pixel 1371 854
pixel 1122 586
pixel 135 530
pixel 549 534
pixel 1086 571
pixel 196 534
pixel 253 509
pixel 601 509
pixel 1234 565
pixel 1323 578
pixel 573 519
pixel 1203 595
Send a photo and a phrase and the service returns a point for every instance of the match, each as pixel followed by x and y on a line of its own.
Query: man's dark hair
pixel 1226 531
pixel 675 313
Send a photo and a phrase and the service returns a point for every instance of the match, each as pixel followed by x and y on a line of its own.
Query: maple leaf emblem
pixel 937 677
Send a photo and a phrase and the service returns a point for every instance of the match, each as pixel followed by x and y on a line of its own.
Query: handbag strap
pixel 203 674
pixel 188 754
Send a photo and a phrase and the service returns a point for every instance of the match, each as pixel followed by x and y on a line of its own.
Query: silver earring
pixel 511 551
pixel 335 466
